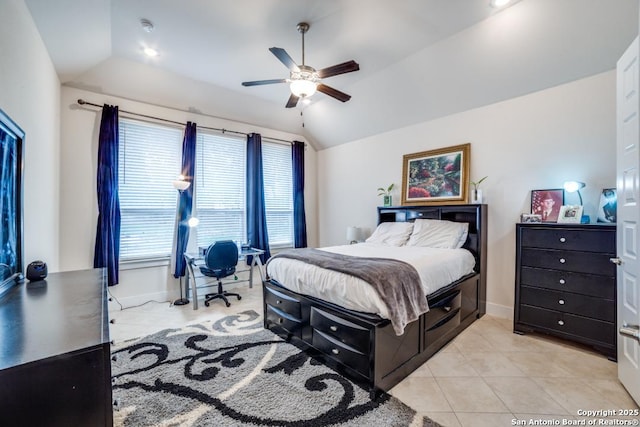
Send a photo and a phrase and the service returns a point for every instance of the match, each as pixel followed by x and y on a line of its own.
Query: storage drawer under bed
pixel 341 329
pixel 341 352
pixel 284 320
pixel 282 302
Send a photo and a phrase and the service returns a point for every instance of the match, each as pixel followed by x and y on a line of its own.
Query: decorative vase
pixel 387 201
pixel 476 196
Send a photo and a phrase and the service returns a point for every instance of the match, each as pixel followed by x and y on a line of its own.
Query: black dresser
pixel 565 283
pixel 55 365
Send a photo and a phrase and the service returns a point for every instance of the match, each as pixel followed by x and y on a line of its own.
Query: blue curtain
pixel 299 217
pixel 186 197
pixel 107 250
pixel 257 235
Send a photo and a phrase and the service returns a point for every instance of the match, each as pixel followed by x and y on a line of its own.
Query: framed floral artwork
pixel 437 176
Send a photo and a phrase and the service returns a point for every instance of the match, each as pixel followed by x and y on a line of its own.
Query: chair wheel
pixel 228 304
pixel 239 297
pixel 206 303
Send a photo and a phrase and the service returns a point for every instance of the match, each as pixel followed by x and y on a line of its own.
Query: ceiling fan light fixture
pixel 303 88
pixel 499 3
pixel 150 52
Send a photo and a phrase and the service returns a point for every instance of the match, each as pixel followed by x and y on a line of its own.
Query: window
pixel 278 193
pixel 149 160
pixel 220 188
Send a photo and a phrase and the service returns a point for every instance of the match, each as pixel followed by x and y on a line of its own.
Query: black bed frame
pixel 363 346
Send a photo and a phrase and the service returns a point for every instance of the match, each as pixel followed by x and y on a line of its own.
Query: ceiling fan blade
pixel 263 82
pixel 293 101
pixel 284 57
pixel 335 93
pixel 345 67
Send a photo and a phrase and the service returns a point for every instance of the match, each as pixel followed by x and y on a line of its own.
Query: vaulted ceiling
pixel 419 59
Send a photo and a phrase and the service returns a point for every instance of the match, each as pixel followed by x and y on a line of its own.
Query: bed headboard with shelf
pixel 474 215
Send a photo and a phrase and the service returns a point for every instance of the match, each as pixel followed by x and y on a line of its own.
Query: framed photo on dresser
pixel 570 214
pixel 547 203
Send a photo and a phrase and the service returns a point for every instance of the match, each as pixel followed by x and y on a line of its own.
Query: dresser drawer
pixel 567 302
pixel 579 283
pixel 583 262
pixel 341 352
pixel 284 320
pixel 283 302
pixel 341 329
pixel 587 240
pixel 564 323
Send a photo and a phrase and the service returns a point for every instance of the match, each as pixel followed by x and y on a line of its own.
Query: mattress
pixel 437 268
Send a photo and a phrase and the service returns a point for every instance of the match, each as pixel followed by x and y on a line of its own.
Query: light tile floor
pixel 486 376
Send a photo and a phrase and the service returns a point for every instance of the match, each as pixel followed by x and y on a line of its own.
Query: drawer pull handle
pixel 560 322
pixel 562 281
pixel 447 308
pixel 335 351
pixel 561 302
pixel 562 240
pixel 333 328
pixel 280 320
pixel 278 301
pixel 562 260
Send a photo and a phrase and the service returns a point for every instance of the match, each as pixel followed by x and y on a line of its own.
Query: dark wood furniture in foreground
pixel 55 366
pixel 364 346
pixel 565 283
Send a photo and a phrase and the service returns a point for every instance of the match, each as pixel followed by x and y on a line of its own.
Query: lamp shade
pixel 303 88
pixel 180 184
pixel 574 186
pixel 353 234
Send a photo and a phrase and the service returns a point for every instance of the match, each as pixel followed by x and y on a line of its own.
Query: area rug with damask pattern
pixel 232 372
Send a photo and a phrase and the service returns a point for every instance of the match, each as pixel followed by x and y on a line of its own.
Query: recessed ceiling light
pixel 150 52
pixel 499 3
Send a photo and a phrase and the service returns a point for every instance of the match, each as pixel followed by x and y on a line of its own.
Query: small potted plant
pixel 386 193
pixel 476 194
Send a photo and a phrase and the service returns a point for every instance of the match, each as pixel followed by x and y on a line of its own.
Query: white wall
pixel 532 142
pixel 78 198
pixel 30 95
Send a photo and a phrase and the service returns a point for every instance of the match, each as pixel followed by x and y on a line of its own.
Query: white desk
pixel 195 260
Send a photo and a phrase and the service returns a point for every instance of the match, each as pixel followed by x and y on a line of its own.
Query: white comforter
pixel 436 267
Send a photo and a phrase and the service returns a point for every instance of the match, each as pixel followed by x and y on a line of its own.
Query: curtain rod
pixel 83 102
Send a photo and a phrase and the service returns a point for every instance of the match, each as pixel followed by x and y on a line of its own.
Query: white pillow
pixel 391 233
pixel 435 233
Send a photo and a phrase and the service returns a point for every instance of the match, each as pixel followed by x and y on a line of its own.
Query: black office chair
pixel 221 259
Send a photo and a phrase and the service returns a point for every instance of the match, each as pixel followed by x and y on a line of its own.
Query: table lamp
pixel 575 187
pixel 353 234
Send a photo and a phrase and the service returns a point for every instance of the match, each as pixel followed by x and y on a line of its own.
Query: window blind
pixel 278 193
pixel 149 161
pixel 220 188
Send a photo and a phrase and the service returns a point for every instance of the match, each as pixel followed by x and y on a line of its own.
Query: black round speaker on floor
pixel 37 270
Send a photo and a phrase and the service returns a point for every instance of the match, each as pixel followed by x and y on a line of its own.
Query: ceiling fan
pixel 305 80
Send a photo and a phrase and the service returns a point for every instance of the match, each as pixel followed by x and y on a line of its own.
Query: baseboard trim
pixel 501 311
